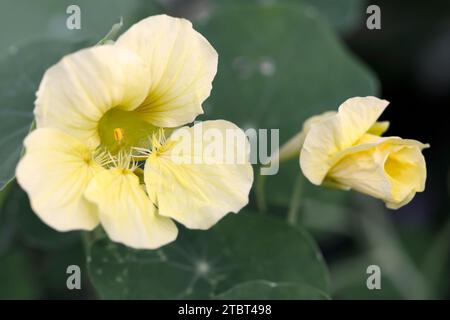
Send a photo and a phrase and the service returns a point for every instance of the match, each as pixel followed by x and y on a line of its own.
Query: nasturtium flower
pixel 346 150
pixel 158 72
pixel 110 149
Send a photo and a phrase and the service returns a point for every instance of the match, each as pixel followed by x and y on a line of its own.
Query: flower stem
pixel 294 206
pixel 260 193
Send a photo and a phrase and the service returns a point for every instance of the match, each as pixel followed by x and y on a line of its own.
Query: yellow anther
pixel 118 135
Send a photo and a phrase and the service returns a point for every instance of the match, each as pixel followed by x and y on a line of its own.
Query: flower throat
pixel 121 130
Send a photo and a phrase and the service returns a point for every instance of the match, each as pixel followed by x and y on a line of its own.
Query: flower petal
pixel 55 171
pixel 126 212
pixel 389 168
pixel 326 138
pixel 182 63
pixel 76 92
pixel 406 170
pixel 203 175
pixel 379 128
pixel 363 171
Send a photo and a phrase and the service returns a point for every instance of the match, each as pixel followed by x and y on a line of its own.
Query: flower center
pixel 122 130
pixel 399 169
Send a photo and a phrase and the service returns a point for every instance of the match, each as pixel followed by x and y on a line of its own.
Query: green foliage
pixel 34 257
pixel 343 15
pixel 29 20
pixel 201 264
pixel 279 65
pixel 249 255
pixel 15 277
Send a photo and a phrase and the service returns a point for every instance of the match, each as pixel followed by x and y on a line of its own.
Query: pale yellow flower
pixel 346 150
pixel 57 170
pixel 100 152
pixel 158 72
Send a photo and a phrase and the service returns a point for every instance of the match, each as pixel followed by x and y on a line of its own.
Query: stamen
pixel 157 140
pixel 141 152
pixel 124 159
pixel 118 135
pixel 102 157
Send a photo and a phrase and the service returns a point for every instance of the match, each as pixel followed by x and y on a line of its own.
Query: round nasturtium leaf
pixel 201 264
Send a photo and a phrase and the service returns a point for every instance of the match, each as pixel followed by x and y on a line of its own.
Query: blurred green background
pixel 280 62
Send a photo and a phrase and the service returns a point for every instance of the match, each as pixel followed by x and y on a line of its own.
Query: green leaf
pixel 21 73
pixel 262 290
pixel 344 15
pixel 16 276
pixel 279 65
pixel 46 19
pixel 200 264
